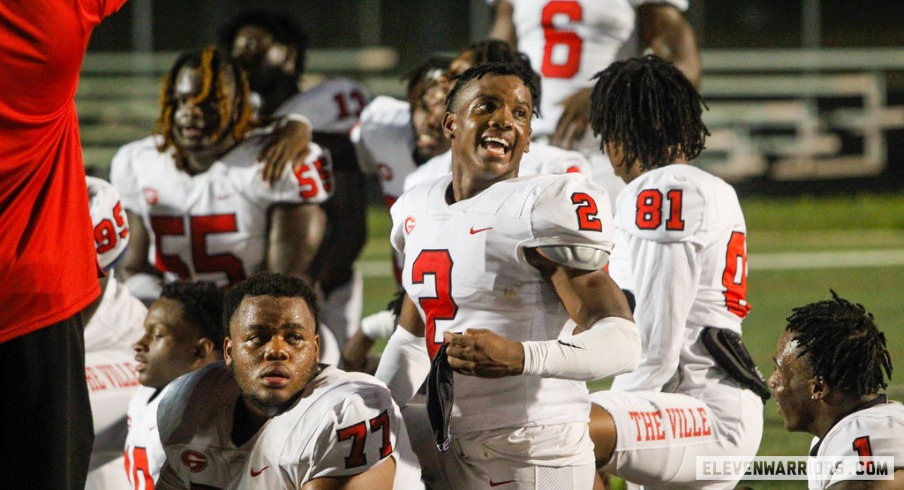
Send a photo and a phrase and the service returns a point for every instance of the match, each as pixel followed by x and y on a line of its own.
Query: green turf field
pixel 784 235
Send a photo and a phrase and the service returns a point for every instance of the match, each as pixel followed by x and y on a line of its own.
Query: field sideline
pixel 798 249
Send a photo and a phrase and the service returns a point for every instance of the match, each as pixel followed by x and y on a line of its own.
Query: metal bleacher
pixel 118 97
pixel 799 114
pixel 788 114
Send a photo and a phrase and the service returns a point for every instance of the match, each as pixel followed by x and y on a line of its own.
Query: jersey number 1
pixel 562 39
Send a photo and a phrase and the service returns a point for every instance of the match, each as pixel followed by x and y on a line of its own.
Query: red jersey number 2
pixel 558 40
pixel 437 263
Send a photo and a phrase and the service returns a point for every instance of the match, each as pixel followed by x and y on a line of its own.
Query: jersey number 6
pixel 561 38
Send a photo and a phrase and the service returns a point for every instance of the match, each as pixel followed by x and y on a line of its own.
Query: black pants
pixel 46 429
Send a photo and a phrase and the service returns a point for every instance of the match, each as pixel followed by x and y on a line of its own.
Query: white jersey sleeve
pixel 309 182
pixel 194 419
pixel 572 211
pixel 384 143
pixel 124 169
pixel 874 431
pixel 332 106
pixel 144 454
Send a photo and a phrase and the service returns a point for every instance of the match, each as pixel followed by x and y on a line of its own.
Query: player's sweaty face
pixel 789 383
pixel 273 350
pixel 196 120
pixel 490 127
pixel 427 119
pixel 169 345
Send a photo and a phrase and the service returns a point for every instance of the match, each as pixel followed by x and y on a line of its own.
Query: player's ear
pixel 227 351
pixel 204 349
pixel 818 388
pixel 317 346
pixel 449 125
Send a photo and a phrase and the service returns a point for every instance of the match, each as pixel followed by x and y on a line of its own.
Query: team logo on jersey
pixel 384 171
pixel 194 460
pixel 150 195
pixel 409 224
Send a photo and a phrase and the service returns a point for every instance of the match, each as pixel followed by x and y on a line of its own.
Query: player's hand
pixel 574 121
pixel 480 352
pixel 289 143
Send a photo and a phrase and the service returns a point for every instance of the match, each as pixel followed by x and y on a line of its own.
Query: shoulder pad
pixel 576 256
pixel 571 210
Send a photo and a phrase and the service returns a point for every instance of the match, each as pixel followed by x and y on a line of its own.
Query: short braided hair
pixel 499 69
pixel 649 109
pixel 213 65
pixel 496 51
pixel 842 344
pixel 202 306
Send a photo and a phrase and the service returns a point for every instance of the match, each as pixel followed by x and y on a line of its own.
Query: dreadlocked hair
pixel 842 344
pixel 213 65
pixel 202 306
pixel 424 76
pixel 649 109
pixel 477 72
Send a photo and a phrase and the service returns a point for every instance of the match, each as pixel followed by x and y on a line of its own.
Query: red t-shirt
pixel 48 266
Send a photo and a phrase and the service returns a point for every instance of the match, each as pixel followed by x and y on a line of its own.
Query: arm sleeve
pixel 667 275
pixel 404 365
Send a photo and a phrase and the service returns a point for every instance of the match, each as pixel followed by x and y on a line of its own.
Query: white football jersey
pixel 213 225
pixel 874 430
pixel 144 452
pixel 195 420
pixel 569 41
pixel 343 424
pixel 118 321
pixel 681 249
pixel 541 159
pixel 465 267
pixel 384 142
pixel 332 106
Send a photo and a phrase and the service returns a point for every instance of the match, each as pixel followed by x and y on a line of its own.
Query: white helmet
pixel 111 228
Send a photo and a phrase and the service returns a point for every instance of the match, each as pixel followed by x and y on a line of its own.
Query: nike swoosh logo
pixel 570 345
pixel 496 484
pixel 256 473
pixel 478 230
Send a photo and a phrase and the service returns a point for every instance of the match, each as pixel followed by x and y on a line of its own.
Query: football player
pixel 542 159
pixel 568 41
pixel 274 417
pixel 182 333
pixel 495 266
pixel 271 48
pixel 197 205
pixel 830 365
pixel 681 253
pixel 112 323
